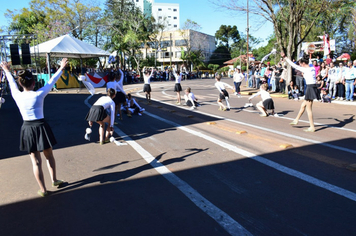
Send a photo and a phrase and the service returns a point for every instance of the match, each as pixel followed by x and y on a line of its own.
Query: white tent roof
pixel 67 46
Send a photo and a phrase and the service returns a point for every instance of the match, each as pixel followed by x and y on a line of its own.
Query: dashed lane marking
pixel 297 174
pixel 223 219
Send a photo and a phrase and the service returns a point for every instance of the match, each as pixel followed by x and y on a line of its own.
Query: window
pixel 166 54
pixel 181 42
pixel 175 26
pixel 159 9
pixel 169 16
pixel 137 0
pixel 165 44
pixel 175 18
pixel 160 17
pixel 174 9
pixel 169 9
pixel 169 25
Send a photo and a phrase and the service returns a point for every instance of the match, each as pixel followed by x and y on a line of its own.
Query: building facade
pixel 171 44
pixel 164 13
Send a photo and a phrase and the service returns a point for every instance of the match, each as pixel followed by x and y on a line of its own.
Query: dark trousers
pixel 340 90
pixel 237 86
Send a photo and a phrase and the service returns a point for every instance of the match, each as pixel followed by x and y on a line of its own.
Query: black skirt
pixel 36 135
pixel 268 104
pixel 119 98
pixel 177 87
pixel 225 94
pixel 96 113
pixel 147 88
pixel 311 92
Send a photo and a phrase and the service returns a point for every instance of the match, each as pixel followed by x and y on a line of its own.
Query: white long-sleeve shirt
pixel 30 103
pixel 107 102
pixel 117 85
pixel 308 73
pixel 263 93
pixel 178 77
pixel 221 86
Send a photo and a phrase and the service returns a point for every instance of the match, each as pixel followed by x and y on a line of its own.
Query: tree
pixel 213 67
pixel 227 34
pixel 129 29
pixel 288 17
pixel 220 55
pixel 50 19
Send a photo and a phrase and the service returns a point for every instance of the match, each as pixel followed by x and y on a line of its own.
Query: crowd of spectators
pixel 335 81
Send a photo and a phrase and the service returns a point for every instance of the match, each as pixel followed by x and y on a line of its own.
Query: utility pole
pixel 170 50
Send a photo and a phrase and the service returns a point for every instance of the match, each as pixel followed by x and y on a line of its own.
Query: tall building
pixel 145 6
pixel 164 13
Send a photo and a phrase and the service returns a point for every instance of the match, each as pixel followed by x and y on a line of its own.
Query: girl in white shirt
pixel 311 91
pixel 116 83
pixel 190 99
pixel 223 94
pixel 97 113
pixel 266 103
pixel 177 86
pixel 147 87
pixel 36 135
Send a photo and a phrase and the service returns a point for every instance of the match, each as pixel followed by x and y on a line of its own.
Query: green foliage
pixel 128 29
pixel 220 55
pixel 50 19
pixel 227 34
pixel 213 67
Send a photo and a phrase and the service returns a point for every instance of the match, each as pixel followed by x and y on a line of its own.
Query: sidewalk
pixel 250 91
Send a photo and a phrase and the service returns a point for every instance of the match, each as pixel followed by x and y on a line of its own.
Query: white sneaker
pixel 276 115
pixel 87 137
pixel 235 93
pixel 341 98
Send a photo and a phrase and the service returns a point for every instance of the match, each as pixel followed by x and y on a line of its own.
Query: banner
pixel 319 46
pixel 96 80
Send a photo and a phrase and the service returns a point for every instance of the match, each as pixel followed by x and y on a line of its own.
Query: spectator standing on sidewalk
pixel 340 82
pixel 350 76
pixel 332 77
pixel 299 80
pixel 238 78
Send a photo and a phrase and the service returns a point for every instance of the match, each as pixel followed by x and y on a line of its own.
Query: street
pixel 185 172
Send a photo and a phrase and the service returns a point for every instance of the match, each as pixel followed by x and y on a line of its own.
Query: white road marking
pixel 267 129
pixel 281 117
pixel 223 219
pixel 332 188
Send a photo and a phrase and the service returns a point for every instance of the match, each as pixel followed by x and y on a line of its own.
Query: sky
pixel 201 11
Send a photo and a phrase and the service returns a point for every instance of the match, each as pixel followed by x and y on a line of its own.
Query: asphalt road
pixel 182 172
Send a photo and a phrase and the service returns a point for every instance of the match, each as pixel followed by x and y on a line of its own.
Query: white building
pixel 173 43
pixel 145 6
pixel 168 14
pixel 165 13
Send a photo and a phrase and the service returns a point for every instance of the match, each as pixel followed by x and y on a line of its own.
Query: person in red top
pixel 328 60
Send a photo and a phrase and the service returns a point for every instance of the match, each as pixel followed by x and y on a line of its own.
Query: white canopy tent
pixel 67 46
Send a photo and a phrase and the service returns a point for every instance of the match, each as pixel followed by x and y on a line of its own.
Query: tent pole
pixel 101 66
pixel 48 65
pixel 81 66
